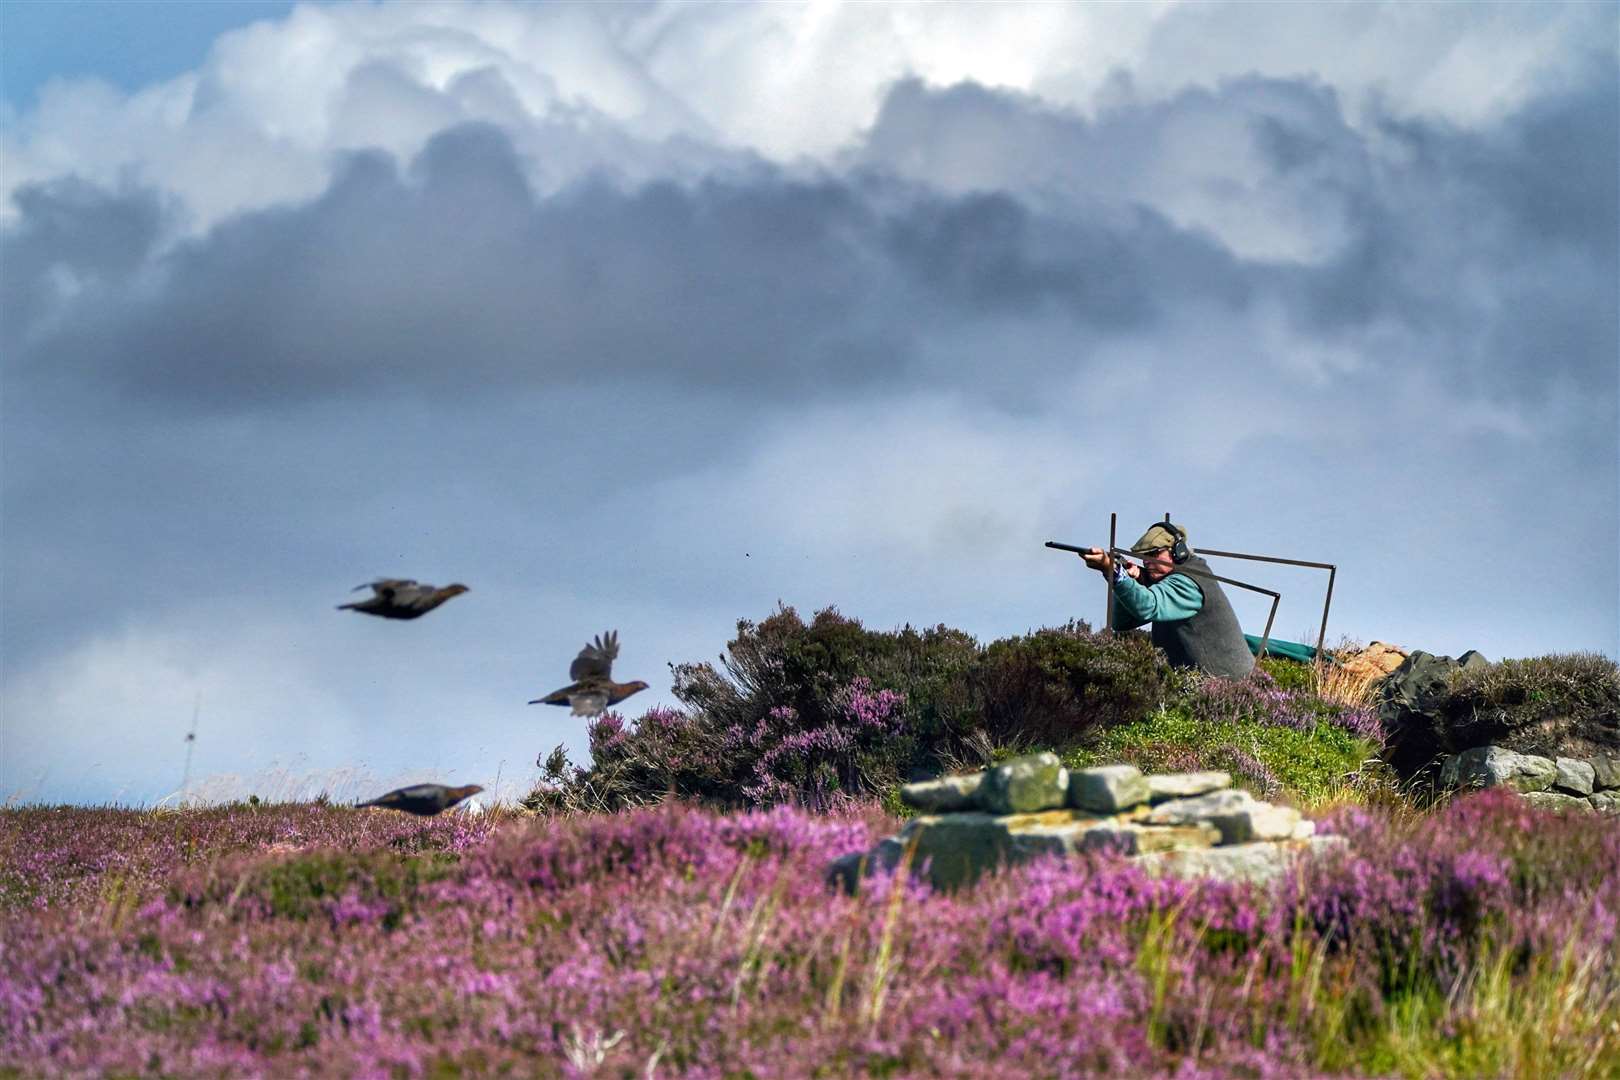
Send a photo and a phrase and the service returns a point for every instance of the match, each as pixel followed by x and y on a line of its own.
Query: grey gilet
pixel 1211 640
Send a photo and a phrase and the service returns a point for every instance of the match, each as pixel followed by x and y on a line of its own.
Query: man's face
pixel 1157 564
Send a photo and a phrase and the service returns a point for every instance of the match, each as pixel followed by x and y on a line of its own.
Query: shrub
pixel 782 662
pixel 1564 695
pixel 815 712
pixel 1057 687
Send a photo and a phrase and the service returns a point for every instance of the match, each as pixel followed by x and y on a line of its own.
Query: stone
pixel 1553 800
pixel 1186 785
pixel 942 796
pixel 847 871
pixel 1199 808
pixel 954 849
pixel 1573 776
pixel 1237 814
pixel 1257 862
pixel 1304 830
pixel 1605 772
pixel 1606 801
pixel 1262 821
pixel 1025 785
pixel 1410 708
pixel 1108 789
pixel 1376 661
pixel 1492 766
pixel 1130 838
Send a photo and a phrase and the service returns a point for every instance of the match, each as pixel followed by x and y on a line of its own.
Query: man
pixel 1175 590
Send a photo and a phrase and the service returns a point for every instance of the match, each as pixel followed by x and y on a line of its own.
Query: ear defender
pixel 1179 551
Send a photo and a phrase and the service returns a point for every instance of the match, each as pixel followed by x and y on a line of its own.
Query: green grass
pixel 1311 766
pixel 1505 1015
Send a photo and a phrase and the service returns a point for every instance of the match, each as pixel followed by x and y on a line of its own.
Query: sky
pixel 653 317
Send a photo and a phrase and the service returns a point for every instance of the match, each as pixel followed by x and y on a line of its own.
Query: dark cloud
pixel 456 274
pixel 72 238
pixel 582 400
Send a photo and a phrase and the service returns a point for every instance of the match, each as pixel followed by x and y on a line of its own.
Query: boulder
pixel 1605 772
pixel 947 794
pixel 1108 789
pixel 1025 785
pixel 1186 785
pixel 956 849
pixel 1553 800
pixel 847 871
pixel 1607 801
pixel 1256 862
pixel 1411 708
pixel 1131 838
pixel 1375 662
pixel 1572 776
pixel 1492 766
pixel 1237 815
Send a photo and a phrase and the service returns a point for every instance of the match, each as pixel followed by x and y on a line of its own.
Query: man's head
pixel 1154 549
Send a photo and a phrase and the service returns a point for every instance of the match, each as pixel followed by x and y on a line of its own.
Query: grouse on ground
pixel 402 598
pixel 593 688
pixel 423 800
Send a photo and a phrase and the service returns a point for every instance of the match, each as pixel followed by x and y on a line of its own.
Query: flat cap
pixel 1155 538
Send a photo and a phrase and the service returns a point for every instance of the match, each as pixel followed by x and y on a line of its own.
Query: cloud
pixel 656 89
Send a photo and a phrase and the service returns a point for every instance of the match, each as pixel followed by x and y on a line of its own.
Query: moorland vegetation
pixel 663 909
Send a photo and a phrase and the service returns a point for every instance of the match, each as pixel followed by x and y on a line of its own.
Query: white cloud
pixel 582 87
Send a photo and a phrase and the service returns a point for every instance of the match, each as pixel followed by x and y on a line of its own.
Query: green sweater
pixel 1175 596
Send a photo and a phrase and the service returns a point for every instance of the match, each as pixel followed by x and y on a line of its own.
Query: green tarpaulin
pixel 1292 650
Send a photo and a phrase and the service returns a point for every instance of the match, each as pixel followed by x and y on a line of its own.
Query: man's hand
pixel 1100 560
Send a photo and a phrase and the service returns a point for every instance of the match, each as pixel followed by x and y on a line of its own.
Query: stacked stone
pixel 1193 824
pixel 1556 783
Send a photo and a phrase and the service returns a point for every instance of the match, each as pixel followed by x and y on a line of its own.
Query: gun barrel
pixel 1065 547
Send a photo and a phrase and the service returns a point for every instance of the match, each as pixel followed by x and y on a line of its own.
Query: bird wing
pixel 386 588
pixel 595 661
pixel 410 594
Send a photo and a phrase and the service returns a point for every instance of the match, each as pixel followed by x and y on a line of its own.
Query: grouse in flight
pixel 402 598
pixel 593 688
pixel 423 800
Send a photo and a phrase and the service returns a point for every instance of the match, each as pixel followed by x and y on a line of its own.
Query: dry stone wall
pixel 1552 782
pixel 1193 824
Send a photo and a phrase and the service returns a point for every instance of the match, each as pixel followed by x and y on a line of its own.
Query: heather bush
pixel 1059 687
pixel 1578 693
pixel 785 662
pixel 812 713
pixel 672 941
